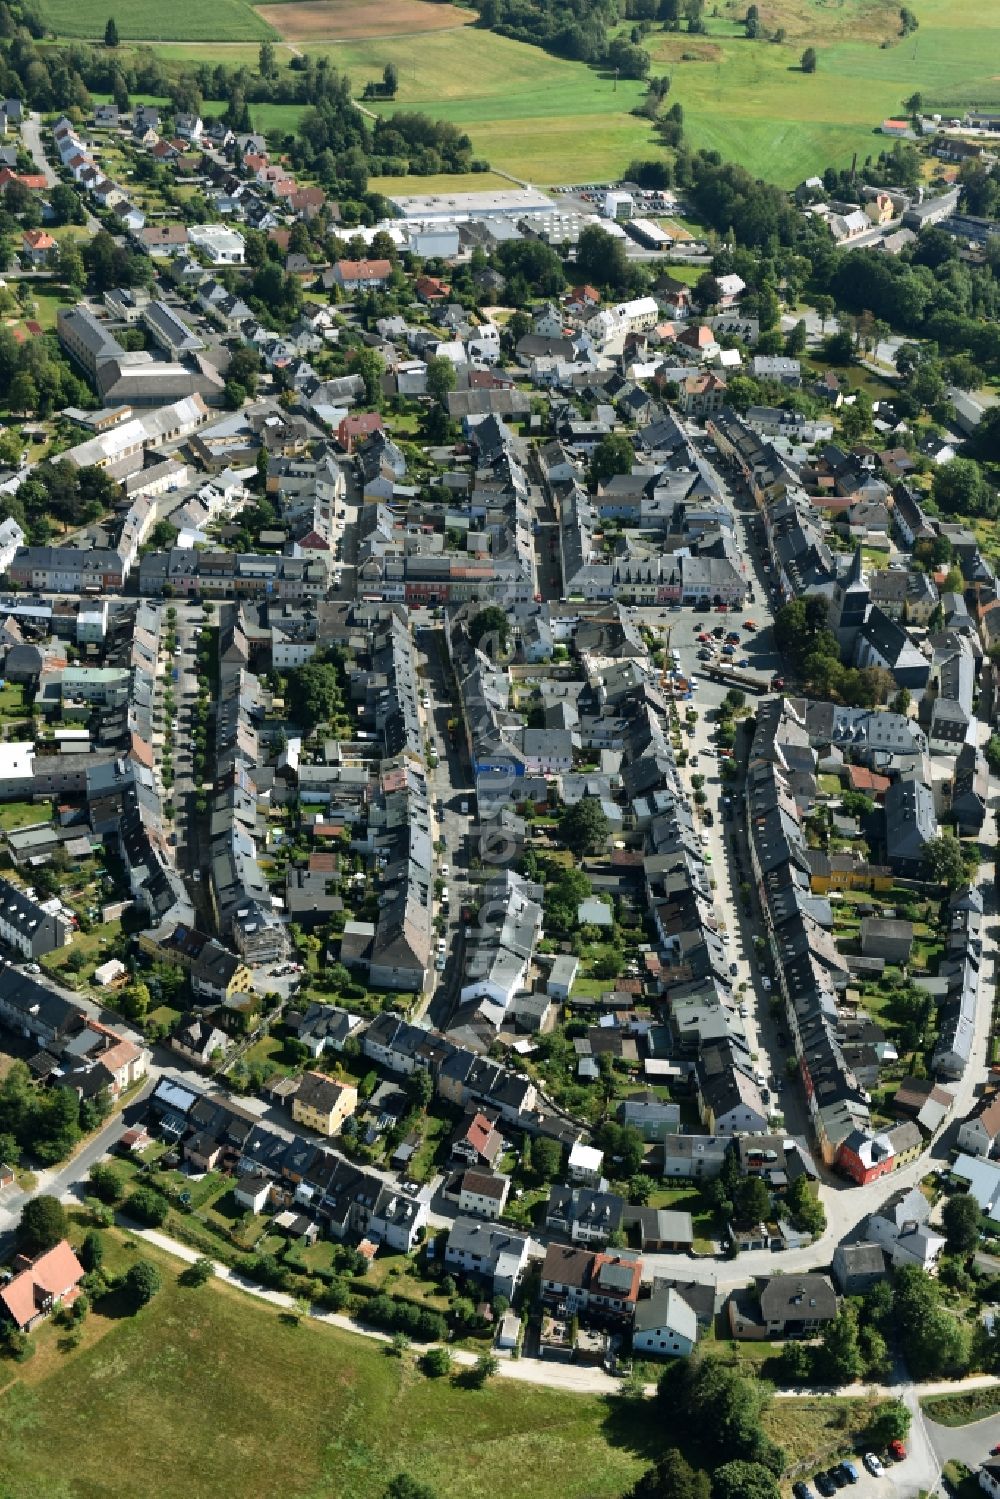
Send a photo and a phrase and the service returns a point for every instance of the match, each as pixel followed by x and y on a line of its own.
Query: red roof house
pixel 353 428
pixel 53 1278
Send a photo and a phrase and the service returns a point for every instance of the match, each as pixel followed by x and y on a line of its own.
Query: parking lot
pixel 918 1472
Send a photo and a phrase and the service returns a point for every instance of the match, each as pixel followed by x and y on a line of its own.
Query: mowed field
pixel 231 1400
pixel 149 21
pixel 536 116
pixel 749 101
pixel 549 121
pixel 326 20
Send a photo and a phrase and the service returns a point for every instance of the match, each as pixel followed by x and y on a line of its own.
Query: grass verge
pixel 961 1409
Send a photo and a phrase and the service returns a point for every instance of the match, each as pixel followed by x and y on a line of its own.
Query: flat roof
pixel 507 201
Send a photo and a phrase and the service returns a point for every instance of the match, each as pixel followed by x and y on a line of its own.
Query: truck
pixel 734 676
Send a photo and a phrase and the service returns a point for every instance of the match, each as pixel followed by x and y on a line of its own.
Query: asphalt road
pixel 449 785
pixel 31 135
pixel 970 1444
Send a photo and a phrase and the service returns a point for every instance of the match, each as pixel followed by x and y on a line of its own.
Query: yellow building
pixel 323 1104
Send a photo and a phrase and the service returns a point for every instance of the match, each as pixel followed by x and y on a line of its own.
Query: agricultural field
pixel 334 1416
pixel 538 117
pixel 482 182
pixel 145 21
pixel 550 121
pixel 749 100
pixel 344 20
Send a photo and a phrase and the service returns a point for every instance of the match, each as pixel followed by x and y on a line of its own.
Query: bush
pixel 197 1274
pixel 141 1282
pixel 436 1363
pixel 393 1315
pixel 105 1184
pixel 147 1206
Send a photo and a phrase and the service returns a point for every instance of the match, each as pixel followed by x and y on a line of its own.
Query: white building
pixel 900 1227
pixel 664 1324
pixel 618 206
pixel 11 537
pixel 222 246
pixel 585 1165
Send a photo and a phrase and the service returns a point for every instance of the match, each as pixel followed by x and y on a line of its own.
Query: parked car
pixel 749 624
pixel 897 1451
pixel 826 1485
pixel 733 970
pixel 873 1465
pixel 850 1472
pixel 801 1490
pixel 837 1476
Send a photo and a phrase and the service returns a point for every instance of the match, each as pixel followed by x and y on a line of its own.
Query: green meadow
pixel 222 1396
pixel 549 121
pixel 749 100
pixel 541 118
pixel 146 21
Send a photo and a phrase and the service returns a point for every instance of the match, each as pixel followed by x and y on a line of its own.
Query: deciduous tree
pixel 141 1283
pixel 43 1223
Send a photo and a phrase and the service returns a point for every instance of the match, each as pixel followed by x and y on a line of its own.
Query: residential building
pixel 583 1215
pixel 483 1194
pixel 200 1041
pixel 664 1324
pixel 857 1268
pixel 792 1306
pixel 323 1104
pixel 40 1285
pixel 496 1255
pixel 901 1228
pixel 585 1165
pixel 33 1010
pixel 29 926
pixel 979 1134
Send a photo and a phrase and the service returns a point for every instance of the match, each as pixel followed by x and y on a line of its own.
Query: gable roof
pixel 51 1274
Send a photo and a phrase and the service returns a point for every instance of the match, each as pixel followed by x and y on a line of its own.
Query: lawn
pixel 445 183
pixel 332 1415
pixel 548 120
pixel 140 20
pixel 91 944
pixel 23 815
pixel 688 1199
pixel 267 1052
